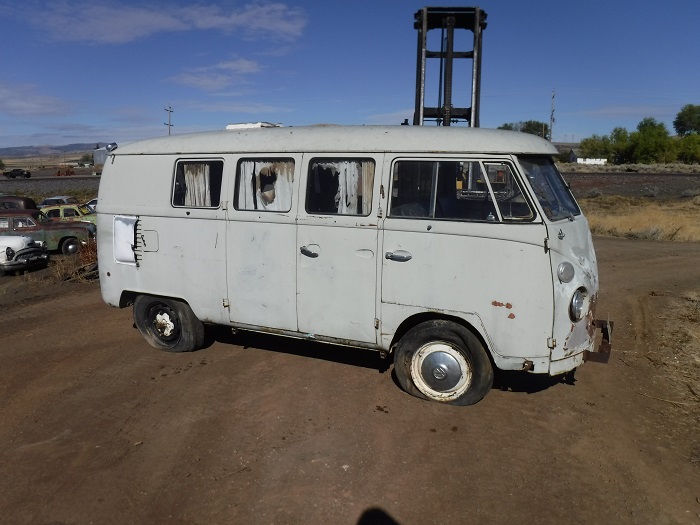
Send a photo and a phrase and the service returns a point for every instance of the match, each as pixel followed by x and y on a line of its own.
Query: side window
pixel 53 214
pixel 340 186
pixel 442 190
pixel 198 183
pixel 23 222
pixel 264 184
pixel 4 223
pixel 69 212
pixel 456 190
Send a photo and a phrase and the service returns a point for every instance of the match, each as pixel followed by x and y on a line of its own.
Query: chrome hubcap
pixel 440 371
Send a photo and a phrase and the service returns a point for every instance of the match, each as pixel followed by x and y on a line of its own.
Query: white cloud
pixel 23 100
pixel 104 23
pixel 218 76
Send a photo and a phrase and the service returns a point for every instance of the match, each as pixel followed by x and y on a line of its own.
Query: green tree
pixel 596 147
pixel 689 149
pixel 620 146
pixel 687 120
pixel 651 143
pixel 533 127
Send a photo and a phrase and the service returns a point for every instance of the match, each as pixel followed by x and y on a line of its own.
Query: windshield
pixel 550 189
pixel 41 217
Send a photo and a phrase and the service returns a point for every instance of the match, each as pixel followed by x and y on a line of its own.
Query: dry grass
pixel 80 267
pixel 643 218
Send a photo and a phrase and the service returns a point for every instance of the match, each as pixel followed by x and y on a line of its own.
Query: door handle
pixel 398 256
pixel 305 251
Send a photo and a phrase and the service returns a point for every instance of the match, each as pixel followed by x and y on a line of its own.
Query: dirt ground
pixel 98 427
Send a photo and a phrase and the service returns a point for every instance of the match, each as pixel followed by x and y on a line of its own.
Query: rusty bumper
pixel 602 353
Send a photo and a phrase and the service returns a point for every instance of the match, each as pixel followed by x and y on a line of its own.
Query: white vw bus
pixel 457 250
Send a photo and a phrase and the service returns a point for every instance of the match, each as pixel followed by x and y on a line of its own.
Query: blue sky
pixel 97 71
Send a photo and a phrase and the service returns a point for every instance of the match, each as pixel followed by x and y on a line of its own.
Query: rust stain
pixel 498 303
pixel 511 316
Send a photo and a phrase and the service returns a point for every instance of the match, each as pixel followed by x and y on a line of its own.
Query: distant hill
pixel 40 151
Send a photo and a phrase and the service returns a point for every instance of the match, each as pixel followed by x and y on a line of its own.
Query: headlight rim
pixel 578 304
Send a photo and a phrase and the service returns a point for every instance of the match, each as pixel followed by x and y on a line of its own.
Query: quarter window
pixel 198 183
pixel 340 186
pixel 264 184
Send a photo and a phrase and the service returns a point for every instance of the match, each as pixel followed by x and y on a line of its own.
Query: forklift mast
pixel 448 19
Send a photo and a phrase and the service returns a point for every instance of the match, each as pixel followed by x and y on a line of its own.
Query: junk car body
pixel 66 237
pixel 20 253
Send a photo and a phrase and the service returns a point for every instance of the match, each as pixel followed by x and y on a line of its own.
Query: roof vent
pixel 252 125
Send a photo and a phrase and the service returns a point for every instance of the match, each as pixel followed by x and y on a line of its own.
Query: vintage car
pixel 92 203
pixel 17 172
pixel 66 237
pixel 15 202
pixel 70 212
pixel 19 253
pixel 58 199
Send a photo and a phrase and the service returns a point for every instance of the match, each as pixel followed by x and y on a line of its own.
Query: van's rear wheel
pixel 168 324
pixel 443 361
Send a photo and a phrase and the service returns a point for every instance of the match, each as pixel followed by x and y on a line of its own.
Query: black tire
pixel 168 324
pixel 70 246
pixel 443 361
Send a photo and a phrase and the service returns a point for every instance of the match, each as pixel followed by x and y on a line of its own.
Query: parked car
pixel 14 202
pixel 17 172
pixel 70 212
pixel 92 203
pixel 58 199
pixel 66 237
pixel 20 252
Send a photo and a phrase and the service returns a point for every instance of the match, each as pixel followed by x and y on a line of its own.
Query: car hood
pixel 16 242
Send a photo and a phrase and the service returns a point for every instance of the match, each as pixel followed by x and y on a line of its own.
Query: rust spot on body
pixel 498 303
pixel 511 316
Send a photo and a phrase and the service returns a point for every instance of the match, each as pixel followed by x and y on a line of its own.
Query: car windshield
pixel 41 217
pixel 550 188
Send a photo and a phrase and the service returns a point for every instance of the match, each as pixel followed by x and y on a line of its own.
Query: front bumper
pixel 602 353
pixel 25 261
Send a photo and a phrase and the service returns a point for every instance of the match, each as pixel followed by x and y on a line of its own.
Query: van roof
pixel 444 139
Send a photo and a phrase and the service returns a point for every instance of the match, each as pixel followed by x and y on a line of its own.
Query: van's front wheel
pixel 168 324
pixel 443 361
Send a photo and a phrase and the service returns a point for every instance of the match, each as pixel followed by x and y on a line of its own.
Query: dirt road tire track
pixel 98 427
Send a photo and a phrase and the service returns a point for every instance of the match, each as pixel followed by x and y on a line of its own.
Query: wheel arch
pixel 128 297
pixel 416 319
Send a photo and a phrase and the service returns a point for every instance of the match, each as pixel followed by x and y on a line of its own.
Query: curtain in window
pixel 197 191
pixel 367 186
pixel 265 185
pixel 346 197
pixel 246 189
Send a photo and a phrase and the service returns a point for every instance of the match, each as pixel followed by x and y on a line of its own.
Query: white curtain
pixel 275 196
pixel 367 186
pixel 246 197
pixel 197 192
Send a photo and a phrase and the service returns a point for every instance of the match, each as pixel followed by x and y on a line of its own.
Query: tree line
pixel 651 143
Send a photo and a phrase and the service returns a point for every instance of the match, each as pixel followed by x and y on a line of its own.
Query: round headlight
pixel 577 306
pixel 10 253
pixel 566 272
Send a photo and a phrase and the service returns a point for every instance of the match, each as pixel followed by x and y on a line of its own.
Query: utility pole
pixel 169 109
pixel 551 119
